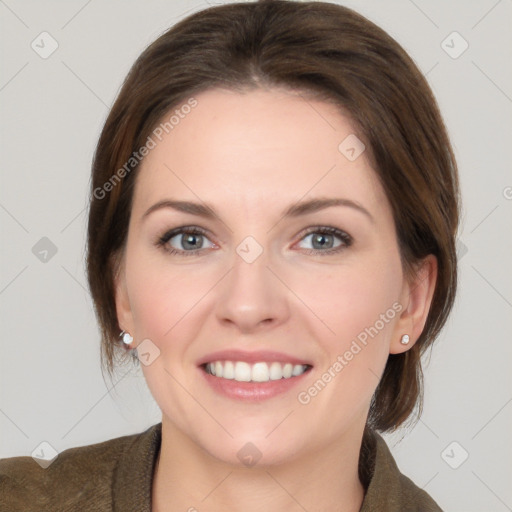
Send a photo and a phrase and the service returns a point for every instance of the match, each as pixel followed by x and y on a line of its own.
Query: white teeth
pixel 242 371
pixel 257 372
pixel 229 370
pixel 218 369
pixel 297 370
pixel 260 372
pixel 276 371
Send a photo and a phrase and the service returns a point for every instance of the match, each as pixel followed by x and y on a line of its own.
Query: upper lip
pixel 251 357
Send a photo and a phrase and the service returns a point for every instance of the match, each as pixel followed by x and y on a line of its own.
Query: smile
pixel 242 371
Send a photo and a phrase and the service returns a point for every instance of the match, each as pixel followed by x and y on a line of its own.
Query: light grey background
pixel 52 112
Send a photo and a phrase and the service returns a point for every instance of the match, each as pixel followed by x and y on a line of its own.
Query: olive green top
pixel 116 475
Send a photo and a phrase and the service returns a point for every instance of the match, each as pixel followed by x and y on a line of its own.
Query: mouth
pixel 252 376
pixel 263 371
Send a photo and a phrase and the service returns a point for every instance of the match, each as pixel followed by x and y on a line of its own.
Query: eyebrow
pixel 295 210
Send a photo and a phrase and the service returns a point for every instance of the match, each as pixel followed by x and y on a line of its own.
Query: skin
pixel 250 156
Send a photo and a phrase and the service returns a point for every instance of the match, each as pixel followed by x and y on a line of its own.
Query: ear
pixel 416 298
pixel 123 307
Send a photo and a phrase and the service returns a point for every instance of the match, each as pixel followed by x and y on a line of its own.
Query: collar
pixel 133 477
pixel 387 490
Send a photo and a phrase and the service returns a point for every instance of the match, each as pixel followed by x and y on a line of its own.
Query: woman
pixel 274 206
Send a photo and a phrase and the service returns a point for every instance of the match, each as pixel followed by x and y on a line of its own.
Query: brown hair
pixel 321 49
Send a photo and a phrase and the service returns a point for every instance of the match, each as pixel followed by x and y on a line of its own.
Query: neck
pixel 189 479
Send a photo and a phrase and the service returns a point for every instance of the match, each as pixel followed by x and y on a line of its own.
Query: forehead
pixel 245 149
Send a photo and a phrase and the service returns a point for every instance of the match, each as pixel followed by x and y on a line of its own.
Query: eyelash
pixel 194 230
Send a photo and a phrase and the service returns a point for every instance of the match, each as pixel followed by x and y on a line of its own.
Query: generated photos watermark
pixel 343 360
pixel 156 136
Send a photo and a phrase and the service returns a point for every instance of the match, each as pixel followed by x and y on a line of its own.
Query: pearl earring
pixel 126 337
pixel 405 339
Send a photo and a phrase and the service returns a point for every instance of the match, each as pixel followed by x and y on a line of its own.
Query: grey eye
pixel 322 240
pixel 189 241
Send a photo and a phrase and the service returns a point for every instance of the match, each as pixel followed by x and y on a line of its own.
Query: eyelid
pixel 324 228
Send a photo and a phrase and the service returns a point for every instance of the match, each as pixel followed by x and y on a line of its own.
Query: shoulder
pixel 77 475
pixel 389 490
pixel 415 498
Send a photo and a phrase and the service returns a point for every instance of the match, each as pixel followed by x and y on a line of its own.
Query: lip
pixel 260 356
pixel 251 391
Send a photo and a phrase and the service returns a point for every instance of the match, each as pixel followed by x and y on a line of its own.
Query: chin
pixel 256 453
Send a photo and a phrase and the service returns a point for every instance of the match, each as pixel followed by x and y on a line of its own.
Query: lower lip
pixel 251 391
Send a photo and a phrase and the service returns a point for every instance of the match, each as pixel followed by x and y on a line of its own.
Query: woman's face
pixel 258 292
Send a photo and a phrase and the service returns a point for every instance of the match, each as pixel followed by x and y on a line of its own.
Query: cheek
pixel 354 298
pixel 155 297
pixel 358 305
pixel 361 310
pixel 165 298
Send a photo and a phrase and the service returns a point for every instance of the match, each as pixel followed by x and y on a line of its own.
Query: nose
pixel 252 296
